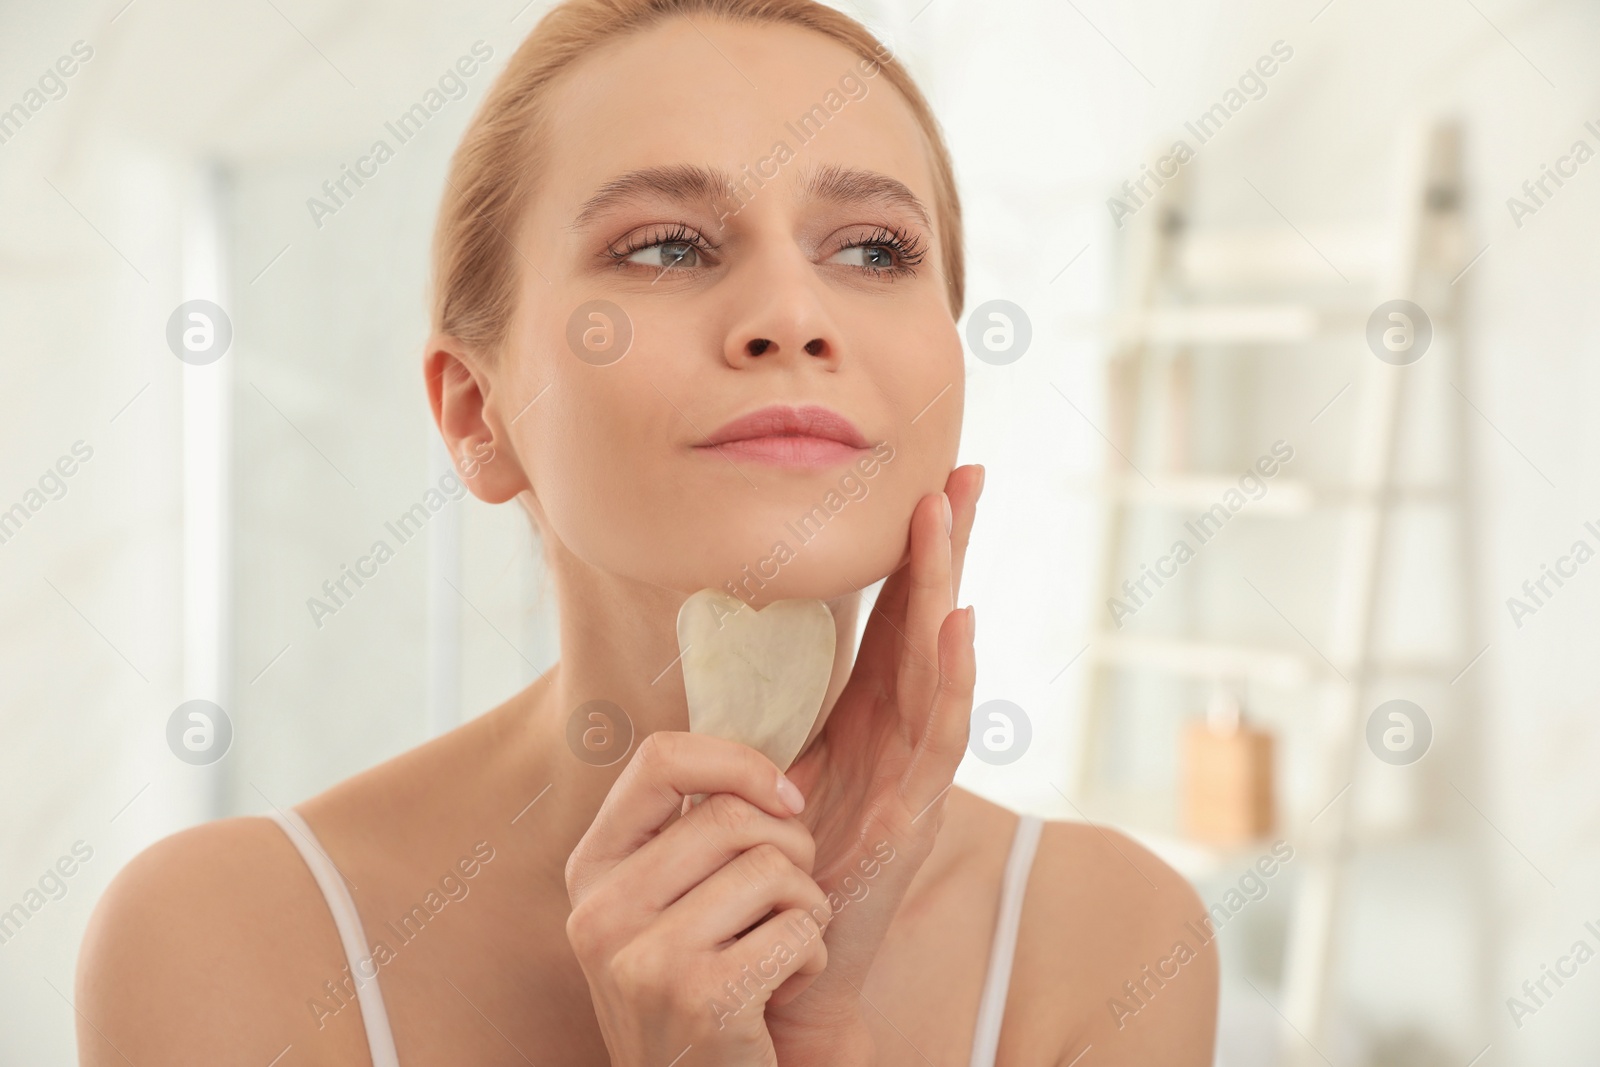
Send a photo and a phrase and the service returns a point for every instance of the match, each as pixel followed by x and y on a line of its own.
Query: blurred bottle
pixel 1227 767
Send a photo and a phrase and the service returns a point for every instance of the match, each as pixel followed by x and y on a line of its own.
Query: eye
pixel 667 254
pixel 885 251
pixel 662 249
pixel 874 256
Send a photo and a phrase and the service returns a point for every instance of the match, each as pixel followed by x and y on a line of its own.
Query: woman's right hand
pixel 659 903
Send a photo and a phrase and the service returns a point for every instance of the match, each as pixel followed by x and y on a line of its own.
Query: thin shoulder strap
pixel 1013 885
pixel 380 1040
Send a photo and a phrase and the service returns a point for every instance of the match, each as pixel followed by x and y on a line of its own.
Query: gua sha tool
pixel 757 677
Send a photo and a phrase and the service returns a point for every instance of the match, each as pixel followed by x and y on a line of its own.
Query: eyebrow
pixel 694 184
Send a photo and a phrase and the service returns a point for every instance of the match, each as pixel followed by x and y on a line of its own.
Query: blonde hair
pixel 497 163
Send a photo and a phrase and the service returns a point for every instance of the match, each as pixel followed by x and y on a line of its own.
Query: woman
pixel 697 276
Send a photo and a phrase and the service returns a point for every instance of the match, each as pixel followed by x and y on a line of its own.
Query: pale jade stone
pixel 757 677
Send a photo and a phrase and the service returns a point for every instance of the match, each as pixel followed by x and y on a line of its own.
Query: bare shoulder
pixel 207 948
pixel 216 944
pixel 1111 930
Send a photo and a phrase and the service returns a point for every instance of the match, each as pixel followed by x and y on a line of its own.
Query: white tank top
pixel 380 1039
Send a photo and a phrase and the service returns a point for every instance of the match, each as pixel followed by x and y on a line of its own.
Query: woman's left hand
pixel 876 777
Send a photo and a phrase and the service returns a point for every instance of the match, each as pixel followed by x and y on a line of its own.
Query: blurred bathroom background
pixel 1340 346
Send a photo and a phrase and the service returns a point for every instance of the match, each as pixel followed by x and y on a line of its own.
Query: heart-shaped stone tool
pixel 757 677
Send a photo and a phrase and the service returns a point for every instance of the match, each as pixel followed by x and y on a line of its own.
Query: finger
pixel 788 944
pixel 750 887
pixel 685 854
pixel 669 766
pixel 963 488
pixel 939 750
pixel 885 624
pixel 928 601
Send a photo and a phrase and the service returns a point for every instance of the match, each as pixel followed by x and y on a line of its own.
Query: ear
pixel 458 391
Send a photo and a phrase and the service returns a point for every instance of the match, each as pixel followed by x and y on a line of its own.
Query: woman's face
pixel 813 283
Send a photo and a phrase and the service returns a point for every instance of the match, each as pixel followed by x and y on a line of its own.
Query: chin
pixel 836 561
pixel 819 576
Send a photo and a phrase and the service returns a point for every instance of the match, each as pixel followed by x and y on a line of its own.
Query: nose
pixel 784 319
pixel 758 346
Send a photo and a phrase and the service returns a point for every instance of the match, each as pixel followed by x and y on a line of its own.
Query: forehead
pixel 725 96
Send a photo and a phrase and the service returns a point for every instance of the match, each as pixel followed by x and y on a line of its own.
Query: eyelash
pixel 906 247
pixel 677 234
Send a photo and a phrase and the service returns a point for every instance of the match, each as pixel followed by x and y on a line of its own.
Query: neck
pixel 619 646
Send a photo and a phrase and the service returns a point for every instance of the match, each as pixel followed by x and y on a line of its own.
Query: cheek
pixel 925 384
pixel 926 388
pixel 603 448
pixel 598 461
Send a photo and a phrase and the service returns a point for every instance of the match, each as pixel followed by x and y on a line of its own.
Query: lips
pixel 789 436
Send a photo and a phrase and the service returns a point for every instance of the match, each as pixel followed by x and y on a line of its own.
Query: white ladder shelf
pixel 1153 338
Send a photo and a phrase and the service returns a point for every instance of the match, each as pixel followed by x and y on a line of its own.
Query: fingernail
pixel 949 519
pixel 983 475
pixel 790 795
pixel 972 623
